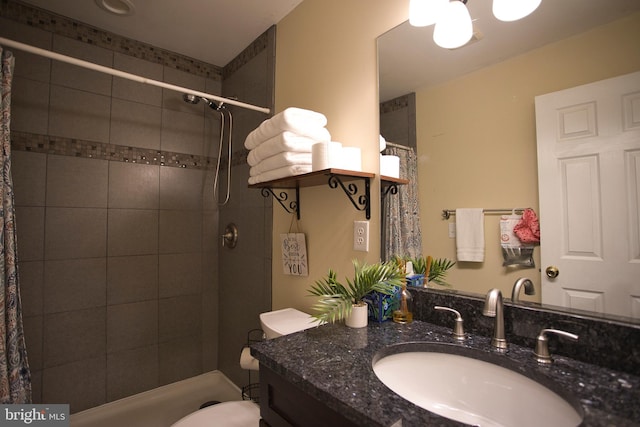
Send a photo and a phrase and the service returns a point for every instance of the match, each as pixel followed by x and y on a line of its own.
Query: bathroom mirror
pixel 409 61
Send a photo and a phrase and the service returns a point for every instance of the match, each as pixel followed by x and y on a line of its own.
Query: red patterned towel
pixel 528 229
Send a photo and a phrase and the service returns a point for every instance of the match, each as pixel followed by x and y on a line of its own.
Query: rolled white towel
pixel 284 141
pixel 280 173
pixel 286 158
pixel 297 120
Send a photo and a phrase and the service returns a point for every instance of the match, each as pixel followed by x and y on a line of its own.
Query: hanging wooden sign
pixel 294 254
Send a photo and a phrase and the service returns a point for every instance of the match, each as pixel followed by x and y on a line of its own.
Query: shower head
pixel 193 99
pixel 190 99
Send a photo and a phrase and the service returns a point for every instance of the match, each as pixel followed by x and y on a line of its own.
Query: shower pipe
pixel 90 65
pixel 216 187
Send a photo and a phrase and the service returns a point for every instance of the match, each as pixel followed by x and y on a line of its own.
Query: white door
pixel 589 184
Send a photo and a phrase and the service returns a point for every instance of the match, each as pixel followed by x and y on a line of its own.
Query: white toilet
pixel 245 413
pixel 286 321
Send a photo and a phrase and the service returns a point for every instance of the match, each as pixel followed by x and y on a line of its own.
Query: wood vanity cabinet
pixel 282 404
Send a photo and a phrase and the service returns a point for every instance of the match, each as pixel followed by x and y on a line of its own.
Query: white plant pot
pixel 358 317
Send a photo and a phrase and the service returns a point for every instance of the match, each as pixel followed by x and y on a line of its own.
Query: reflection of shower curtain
pixel 15 383
pixel 401 214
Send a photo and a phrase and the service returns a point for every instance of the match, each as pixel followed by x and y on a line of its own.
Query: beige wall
pixel 477 140
pixel 476 135
pixel 326 61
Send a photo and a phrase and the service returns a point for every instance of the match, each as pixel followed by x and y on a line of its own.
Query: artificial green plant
pixel 437 268
pixel 336 300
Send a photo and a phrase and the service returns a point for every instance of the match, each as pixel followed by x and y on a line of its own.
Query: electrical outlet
pixel 361 236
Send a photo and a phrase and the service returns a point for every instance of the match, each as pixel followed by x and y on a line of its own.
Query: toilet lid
pixel 243 413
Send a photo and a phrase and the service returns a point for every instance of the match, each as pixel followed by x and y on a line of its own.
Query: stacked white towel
pixel 281 146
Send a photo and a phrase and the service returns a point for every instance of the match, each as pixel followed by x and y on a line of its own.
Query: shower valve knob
pixel 230 236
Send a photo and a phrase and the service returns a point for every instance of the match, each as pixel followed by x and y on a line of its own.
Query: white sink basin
pixel 473 391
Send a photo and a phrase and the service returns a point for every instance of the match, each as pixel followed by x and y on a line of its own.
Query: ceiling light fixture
pixel 425 12
pixel 512 10
pixel 117 7
pixel 454 27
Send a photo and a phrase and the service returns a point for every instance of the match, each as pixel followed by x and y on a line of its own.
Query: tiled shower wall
pixel 117 225
pixel 245 271
pixel 398 120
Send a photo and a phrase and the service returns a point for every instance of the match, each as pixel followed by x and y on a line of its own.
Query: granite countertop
pixel 333 363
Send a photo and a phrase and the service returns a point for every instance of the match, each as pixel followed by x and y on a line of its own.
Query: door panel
pixel 580 195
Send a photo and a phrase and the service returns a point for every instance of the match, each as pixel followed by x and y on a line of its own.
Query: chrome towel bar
pixel 446 213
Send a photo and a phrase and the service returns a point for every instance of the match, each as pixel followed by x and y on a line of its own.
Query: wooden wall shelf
pixel 334 178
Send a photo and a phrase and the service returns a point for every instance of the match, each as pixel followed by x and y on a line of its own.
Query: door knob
pixel 552 272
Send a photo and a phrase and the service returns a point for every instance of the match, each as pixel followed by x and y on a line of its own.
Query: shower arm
pixel 100 68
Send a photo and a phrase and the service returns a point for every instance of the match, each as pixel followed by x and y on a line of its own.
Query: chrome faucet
pixel 493 307
pixel 529 289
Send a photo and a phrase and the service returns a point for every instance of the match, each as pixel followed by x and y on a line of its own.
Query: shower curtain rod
pixel 90 65
pixel 402 147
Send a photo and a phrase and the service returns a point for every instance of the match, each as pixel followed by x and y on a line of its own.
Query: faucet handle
pixel 458 328
pixel 542 343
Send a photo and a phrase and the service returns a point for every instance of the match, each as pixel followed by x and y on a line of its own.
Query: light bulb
pixel 454 27
pixel 425 12
pixel 512 10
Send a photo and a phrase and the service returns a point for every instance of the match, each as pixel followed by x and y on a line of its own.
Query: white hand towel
pixel 470 235
pixel 285 141
pixel 297 120
pixel 280 173
pixel 286 158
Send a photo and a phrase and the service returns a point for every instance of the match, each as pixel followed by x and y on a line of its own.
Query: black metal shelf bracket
pixel 282 197
pixel 391 188
pixel 363 202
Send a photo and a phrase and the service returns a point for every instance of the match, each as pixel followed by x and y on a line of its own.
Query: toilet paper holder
pixel 251 391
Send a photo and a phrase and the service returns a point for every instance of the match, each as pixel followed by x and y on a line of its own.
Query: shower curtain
pixel 401 213
pixel 15 378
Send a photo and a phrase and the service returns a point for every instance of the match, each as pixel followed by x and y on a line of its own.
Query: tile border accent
pixel 250 52
pixel 395 104
pixel 35 143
